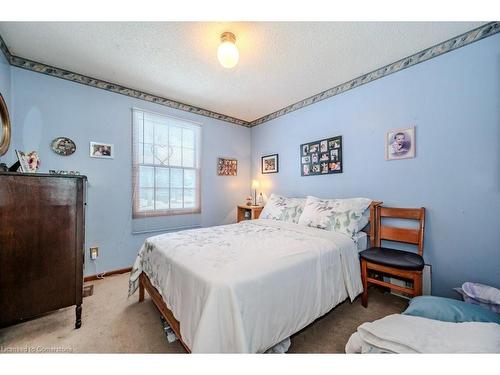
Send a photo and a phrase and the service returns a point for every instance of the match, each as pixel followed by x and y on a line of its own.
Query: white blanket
pixel 413 334
pixel 245 287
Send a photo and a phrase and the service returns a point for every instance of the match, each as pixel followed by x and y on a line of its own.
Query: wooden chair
pixel 398 263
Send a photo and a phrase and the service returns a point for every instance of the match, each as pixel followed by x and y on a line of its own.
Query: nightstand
pixel 245 212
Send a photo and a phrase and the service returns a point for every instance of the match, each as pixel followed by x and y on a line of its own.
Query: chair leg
pixel 364 276
pixel 417 284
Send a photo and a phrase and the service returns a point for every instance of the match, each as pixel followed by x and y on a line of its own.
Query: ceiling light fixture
pixel 227 53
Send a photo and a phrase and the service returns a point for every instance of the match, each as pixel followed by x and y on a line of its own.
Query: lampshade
pixel 227 53
pixel 255 184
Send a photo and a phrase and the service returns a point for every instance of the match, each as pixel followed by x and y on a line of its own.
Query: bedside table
pixel 245 212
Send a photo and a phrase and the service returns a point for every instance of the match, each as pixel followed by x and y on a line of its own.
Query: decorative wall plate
pixel 63 146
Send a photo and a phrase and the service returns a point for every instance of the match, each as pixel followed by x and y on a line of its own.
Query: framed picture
pixel 63 146
pixel 269 164
pixel 28 162
pixel 321 157
pixel 227 167
pixel 102 150
pixel 400 144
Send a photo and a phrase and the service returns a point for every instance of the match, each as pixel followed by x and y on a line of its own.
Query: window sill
pixel 144 215
pixel 166 230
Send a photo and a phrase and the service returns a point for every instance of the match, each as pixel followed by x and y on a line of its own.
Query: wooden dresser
pixel 42 230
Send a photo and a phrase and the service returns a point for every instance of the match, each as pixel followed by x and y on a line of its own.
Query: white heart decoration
pixel 162 153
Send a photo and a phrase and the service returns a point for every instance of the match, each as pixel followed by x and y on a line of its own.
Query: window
pixel 166 165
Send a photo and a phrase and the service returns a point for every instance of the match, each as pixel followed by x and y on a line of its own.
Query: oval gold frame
pixel 4 115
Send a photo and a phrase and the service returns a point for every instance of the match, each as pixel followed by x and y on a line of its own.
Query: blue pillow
pixel 449 310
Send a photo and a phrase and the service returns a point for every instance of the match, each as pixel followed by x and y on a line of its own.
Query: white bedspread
pixel 245 287
pixel 413 334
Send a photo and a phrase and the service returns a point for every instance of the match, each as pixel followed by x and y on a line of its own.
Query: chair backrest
pixel 413 236
pixel 373 222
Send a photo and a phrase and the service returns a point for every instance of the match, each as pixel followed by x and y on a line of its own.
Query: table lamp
pixel 255 186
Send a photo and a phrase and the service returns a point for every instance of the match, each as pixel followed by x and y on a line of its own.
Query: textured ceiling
pixel 280 62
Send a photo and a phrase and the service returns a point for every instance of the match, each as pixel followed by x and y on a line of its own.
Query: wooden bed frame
pixel 145 283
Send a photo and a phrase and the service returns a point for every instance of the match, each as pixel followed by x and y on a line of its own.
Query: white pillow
pixel 339 215
pixel 283 208
pixel 482 293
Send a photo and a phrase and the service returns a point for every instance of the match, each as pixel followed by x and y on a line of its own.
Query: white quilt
pixel 413 334
pixel 245 287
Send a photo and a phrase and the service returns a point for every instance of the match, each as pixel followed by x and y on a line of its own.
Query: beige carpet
pixel 114 324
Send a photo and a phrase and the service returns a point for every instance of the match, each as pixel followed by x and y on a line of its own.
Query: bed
pixel 245 287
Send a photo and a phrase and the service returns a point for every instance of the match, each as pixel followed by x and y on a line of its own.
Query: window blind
pixel 166 165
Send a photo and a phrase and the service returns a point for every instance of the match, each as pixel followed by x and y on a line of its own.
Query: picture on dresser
pixel 400 144
pixel 269 164
pixel 321 157
pixel 28 162
pixel 227 167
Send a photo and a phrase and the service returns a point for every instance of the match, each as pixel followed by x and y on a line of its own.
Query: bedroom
pixel 140 144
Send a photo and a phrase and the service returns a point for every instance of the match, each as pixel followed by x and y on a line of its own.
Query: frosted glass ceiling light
pixel 227 53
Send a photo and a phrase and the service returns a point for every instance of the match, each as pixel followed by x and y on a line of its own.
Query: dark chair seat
pixel 393 258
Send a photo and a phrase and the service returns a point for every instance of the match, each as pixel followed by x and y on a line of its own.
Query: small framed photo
pixel 28 162
pixel 102 150
pixel 227 167
pixel 306 170
pixel 269 164
pixel 400 144
pixel 334 155
pixel 305 149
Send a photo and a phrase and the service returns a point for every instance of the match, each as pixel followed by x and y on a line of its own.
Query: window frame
pixel 137 213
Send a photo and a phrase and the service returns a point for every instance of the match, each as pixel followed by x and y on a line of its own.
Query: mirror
pixel 4 127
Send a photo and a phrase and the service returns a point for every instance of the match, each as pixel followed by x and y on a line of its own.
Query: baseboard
pixel 109 273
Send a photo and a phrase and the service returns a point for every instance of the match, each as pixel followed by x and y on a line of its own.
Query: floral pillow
pixel 283 208
pixel 346 216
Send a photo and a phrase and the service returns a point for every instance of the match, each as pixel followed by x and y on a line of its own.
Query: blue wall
pixel 454 102
pixel 45 107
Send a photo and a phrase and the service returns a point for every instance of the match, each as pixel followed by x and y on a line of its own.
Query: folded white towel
pixel 412 334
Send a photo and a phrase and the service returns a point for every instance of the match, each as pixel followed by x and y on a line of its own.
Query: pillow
pixel 283 208
pixel 339 215
pixel 449 310
pixel 467 299
pixel 480 294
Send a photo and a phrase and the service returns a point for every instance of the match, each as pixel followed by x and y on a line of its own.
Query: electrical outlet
pixel 94 252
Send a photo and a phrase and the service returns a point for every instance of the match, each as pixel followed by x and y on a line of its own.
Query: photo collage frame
pixel 321 157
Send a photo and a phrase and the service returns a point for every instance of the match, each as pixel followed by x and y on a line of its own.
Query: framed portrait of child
pixel 400 144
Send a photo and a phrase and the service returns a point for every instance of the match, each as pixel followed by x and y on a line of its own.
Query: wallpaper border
pixel 452 44
pixel 424 55
pixel 38 67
